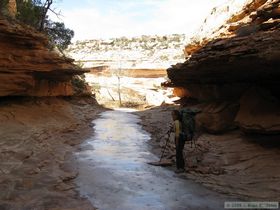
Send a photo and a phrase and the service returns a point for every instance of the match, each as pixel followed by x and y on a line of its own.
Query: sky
pixel 103 19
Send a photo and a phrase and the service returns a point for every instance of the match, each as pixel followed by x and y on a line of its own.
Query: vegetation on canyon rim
pixel 35 14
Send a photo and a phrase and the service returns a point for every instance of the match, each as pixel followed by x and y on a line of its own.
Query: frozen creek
pixel 114 174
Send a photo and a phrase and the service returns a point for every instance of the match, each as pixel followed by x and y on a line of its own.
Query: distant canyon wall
pixel 234 77
pixel 143 52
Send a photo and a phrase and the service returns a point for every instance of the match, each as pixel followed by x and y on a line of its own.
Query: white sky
pixel 114 18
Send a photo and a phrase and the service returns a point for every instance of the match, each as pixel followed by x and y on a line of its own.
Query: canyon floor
pixel 114 173
pixel 233 163
pixel 38 138
pixel 39 168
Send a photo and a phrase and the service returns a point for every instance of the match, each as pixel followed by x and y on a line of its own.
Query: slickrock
pixel 38 138
pixel 28 67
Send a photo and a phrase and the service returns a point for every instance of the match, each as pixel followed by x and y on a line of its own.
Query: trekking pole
pixel 165 146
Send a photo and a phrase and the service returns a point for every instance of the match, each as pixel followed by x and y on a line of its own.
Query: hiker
pixel 179 141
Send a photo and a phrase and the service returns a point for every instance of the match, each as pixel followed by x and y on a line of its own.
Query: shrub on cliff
pixel 80 86
pixel 3 6
pixel 34 13
pixel 29 12
pixel 59 35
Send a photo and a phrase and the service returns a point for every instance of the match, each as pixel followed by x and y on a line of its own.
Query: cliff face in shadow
pixel 234 78
pixel 28 67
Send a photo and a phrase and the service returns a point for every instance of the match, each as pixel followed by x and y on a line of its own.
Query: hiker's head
pixel 175 115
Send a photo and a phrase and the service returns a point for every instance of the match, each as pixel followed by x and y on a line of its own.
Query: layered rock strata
pixel 228 68
pixel 28 67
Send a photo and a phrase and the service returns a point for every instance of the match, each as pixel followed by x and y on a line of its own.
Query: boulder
pixel 259 112
pixel 217 117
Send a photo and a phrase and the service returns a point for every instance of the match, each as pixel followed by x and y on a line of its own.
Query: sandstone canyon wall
pixel 234 77
pixel 36 133
pixel 28 67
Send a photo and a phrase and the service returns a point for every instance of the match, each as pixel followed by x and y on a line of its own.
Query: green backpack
pixel 188 122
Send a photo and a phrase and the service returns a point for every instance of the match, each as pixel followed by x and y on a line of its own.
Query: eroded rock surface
pixel 260 111
pixel 244 54
pixel 38 138
pixel 217 117
pixel 28 67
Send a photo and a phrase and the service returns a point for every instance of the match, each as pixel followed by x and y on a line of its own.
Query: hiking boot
pixel 180 170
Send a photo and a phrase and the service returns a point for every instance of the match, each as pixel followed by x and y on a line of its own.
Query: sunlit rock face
pixel 214 24
pixel 12 8
pixel 28 67
pixel 246 55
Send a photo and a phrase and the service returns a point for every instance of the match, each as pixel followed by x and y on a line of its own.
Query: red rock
pixel 28 67
pixel 259 112
pixel 225 68
pixel 217 117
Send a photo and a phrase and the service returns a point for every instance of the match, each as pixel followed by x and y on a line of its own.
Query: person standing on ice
pixel 179 141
